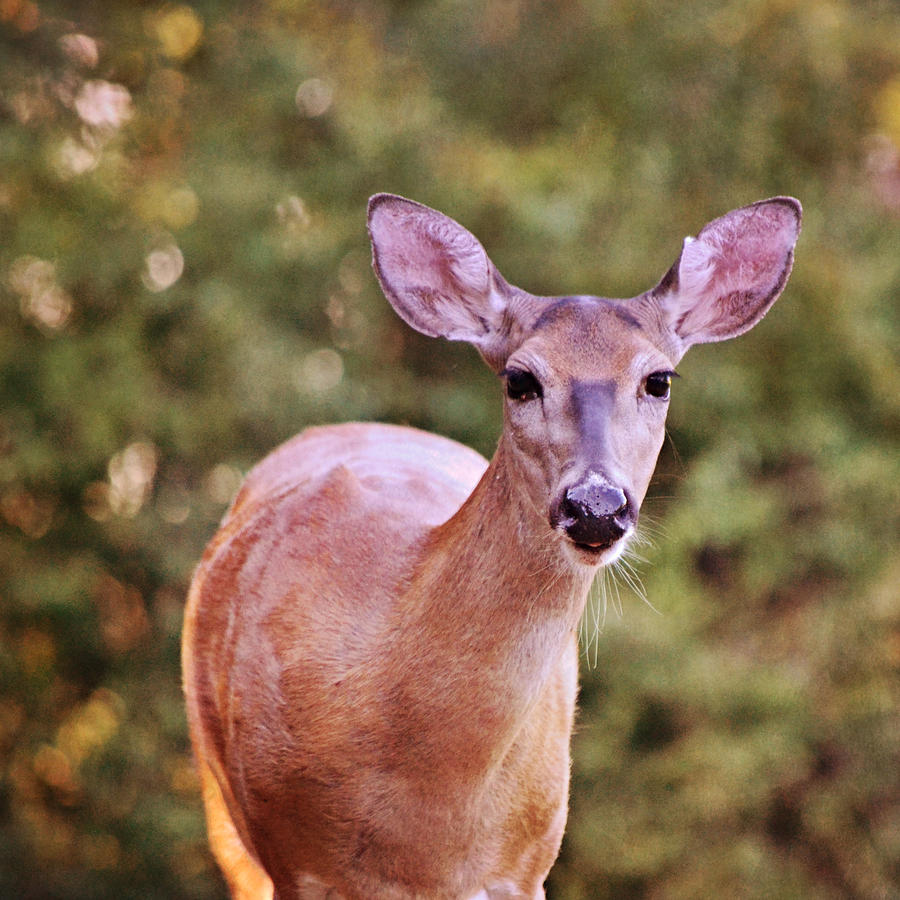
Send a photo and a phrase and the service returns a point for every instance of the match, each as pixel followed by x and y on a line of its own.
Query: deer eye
pixel 658 384
pixel 522 385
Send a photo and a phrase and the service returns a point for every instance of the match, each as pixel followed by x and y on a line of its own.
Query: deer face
pixel 586 401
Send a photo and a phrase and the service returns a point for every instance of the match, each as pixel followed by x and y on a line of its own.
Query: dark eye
pixel 658 384
pixel 522 385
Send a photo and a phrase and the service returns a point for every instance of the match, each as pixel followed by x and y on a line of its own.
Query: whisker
pixel 593 620
pixel 649 530
pixel 607 591
pixel 617 601
pixel 633 579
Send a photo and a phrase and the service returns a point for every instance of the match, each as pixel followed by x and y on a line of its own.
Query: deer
pixel 380 654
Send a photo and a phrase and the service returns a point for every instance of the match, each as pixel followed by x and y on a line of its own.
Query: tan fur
pixel 379 646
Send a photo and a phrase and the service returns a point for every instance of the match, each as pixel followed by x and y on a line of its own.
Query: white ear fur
pixel 695 269
pixel 728 277
pixel 435 273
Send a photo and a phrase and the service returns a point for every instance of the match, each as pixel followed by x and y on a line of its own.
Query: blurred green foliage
pixel 184 282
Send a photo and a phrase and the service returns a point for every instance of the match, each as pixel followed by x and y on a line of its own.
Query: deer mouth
pixel 595 549
pixel 596 554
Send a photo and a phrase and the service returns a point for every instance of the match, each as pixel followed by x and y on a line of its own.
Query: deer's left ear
pixel 727 278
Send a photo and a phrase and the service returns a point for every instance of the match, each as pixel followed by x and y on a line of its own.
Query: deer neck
pixel 491 613
pixel 495 562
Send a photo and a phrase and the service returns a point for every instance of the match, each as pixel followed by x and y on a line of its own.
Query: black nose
pixel 595 513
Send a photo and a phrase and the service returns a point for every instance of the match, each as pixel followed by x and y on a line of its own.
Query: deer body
pixel 379 649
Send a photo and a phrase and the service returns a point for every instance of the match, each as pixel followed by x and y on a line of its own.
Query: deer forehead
pixel 591 339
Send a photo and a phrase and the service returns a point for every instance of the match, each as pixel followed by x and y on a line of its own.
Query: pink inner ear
pixel 457 255
pixel 729 272
pixel 434 272
pixel 744 251
pixel 419 249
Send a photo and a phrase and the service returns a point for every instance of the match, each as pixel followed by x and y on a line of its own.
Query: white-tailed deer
pixel 379 647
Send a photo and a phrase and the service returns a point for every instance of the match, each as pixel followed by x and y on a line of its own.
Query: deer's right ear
pixel 435 274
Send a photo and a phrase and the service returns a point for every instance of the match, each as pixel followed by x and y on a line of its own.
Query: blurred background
pixel 185 282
